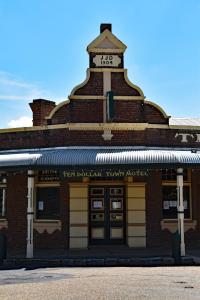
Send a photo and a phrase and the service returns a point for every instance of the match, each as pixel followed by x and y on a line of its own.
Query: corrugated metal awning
pixel 62 157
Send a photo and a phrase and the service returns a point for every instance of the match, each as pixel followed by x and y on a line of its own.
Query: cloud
pixel 20 122
pixel 6 80
pixel 15 94
pixel 13 88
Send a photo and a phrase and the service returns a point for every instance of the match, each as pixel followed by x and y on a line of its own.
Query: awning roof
pixel 74 157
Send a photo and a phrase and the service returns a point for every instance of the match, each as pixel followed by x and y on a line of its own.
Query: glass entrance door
pixel 107 215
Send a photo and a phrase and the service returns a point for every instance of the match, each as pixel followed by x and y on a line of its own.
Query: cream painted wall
pixel 136 215
pixel 78 216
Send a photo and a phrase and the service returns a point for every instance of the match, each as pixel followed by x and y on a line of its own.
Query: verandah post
pixel 30 215
pixel 180 209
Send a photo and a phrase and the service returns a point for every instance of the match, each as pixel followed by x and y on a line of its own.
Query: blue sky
pixel 43 50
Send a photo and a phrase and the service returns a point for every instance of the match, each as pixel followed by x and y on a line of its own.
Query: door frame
pixel 107 223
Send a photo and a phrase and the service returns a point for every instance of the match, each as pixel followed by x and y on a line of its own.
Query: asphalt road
pixel 101 283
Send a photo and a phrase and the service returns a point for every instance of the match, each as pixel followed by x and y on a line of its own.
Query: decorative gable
pixel 107 96
pixel 106 42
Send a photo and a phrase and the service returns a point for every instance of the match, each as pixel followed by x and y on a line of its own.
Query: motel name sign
pixel 104 173
pixel 186 137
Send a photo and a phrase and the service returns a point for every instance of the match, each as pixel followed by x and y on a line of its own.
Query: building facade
pixel 105 167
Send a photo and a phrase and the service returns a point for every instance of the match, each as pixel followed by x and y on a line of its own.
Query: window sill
pixel 3 223
pixel 172 224
pixel 49 226
pixel 47 221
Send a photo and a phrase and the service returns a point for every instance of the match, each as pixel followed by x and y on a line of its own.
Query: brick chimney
pixel 105 26
pixel 41 108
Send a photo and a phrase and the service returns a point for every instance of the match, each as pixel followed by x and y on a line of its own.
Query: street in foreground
pixel 101 283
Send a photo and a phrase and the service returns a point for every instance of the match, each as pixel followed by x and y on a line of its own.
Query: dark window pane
pixel 169 196
pixel 170 174
pixel 116 191
pixel 48 203
pixel 97 191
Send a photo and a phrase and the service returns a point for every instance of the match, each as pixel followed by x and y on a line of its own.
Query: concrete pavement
pixel 101 283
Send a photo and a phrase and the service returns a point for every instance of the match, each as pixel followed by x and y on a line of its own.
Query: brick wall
pixel 16 199
pixel 120 87
pixel 84 111
pixel 128 111
pixel 91 111
pixel 66 137
pixel 192 237
pixel 94 86
pixel 62 115
pixel 87 111
pixel 154 209
pixel 153 116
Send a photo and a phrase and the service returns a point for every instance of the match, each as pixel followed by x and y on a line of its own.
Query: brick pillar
pixel 41 108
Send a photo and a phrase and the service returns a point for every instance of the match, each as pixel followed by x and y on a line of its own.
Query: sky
pixel 43 51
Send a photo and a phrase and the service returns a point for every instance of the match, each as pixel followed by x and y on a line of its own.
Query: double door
pixel 107 215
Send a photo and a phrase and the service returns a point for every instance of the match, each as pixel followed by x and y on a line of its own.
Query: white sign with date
pixel 107 60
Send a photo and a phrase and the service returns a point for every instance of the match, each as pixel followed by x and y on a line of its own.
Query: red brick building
pixel 104 167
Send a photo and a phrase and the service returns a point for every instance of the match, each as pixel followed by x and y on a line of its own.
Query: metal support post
pixel 180 209
pixel 30 215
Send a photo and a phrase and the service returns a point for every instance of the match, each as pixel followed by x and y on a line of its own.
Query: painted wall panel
pixel 136 217
pixel 78 243
pixel 136 231
pixel 137 242
pixel 78 204
pixel 78 231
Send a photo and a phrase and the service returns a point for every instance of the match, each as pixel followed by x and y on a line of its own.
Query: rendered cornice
pixel 100 126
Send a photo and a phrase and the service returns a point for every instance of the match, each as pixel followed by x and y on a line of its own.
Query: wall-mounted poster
pixel 116 203
pixel 166 205
pixel 185 203
pixel 97 204
pixel 40 205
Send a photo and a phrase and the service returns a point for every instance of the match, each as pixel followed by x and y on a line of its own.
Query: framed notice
pixel 166 205
pixel 116 203
pixel 40 205
pixel 97 204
